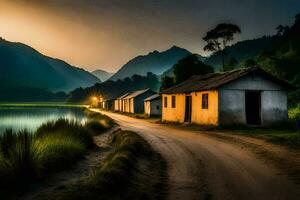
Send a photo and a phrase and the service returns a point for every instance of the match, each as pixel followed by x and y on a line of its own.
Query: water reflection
pixel 30 118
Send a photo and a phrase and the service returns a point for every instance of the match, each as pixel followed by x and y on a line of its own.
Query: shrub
pixel 102 119
pixel 59 152
pixel 66 128
pixel 294 117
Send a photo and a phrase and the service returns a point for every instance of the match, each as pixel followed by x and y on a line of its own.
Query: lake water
pixel 31 117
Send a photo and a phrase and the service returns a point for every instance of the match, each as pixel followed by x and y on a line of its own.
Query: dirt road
pixel 203 167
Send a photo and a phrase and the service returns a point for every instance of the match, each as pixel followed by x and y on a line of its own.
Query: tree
pixel 250 63
pixel 166 83
pixel 189 66
pixel 281 30
pixel 231 64
pixel 217 39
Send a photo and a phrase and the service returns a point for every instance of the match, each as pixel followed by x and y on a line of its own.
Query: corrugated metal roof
pixel 153 97
pixel 215 80
pixel 136 93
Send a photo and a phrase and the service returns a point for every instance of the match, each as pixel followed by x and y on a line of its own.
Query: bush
pixel 115 171
pixel 104 120
pixel 56 145
pixel 66 128
pixel 294 117
pixel 57 153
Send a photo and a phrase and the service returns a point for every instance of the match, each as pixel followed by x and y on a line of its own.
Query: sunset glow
pixel 107 34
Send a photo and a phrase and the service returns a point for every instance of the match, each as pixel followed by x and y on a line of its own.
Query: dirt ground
pixel 213 165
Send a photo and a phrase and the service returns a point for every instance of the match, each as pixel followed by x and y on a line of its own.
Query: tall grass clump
pixel 97 122
pixel 116 169
pixel 294 117
pixel 66 129
pixel 56 145
pixel 114 175
pixel 19 159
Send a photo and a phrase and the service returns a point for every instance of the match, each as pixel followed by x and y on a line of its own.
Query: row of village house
pixel 248 96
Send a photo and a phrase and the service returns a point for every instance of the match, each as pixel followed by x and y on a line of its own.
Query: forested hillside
pixel 113 89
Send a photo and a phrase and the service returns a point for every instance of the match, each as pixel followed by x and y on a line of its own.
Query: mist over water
pixel 30 118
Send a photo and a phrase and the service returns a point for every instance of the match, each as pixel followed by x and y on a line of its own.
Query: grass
pixel 56 145
pixel 118 176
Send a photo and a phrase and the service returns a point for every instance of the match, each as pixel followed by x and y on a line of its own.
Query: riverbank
pixel 123 174
pixel 27 158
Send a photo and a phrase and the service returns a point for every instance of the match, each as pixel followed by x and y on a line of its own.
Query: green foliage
pixel 65 128
pixel 19 157
pixel 56 145
pixel 115 173
pixel 231 64
pixel 249 63
pixel 59 152
pixel 112 89
pixel 166 82
pixel 189 66
pixel 218 38
pixel 294 117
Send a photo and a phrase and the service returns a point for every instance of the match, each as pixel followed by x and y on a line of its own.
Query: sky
pixel 105 34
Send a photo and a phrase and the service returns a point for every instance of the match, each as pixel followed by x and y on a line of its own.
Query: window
pixel 173 101
pixel 204 101
pixel 166 102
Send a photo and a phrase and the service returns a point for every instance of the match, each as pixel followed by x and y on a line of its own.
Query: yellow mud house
pixel 119 103
pixel 244 96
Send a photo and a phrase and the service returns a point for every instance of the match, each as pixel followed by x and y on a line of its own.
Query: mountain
pixel 113 89
pixel 155 62
pixel 102 75
pixel 23 66
pixel 241 51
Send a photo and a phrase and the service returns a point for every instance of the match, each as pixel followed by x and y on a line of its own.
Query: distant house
pixel 107 104
pixel 152 105
pixel 248 96
pixel 134 102
pixel 119 103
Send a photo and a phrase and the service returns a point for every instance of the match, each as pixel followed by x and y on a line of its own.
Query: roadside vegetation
pixel 131 171
pixel 287 135
pixel 56 145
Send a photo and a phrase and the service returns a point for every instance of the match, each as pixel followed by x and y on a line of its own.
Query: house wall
pixel 156 107
pixel 205 116
pixel 147 108
pixel 173 114
pixel 274 107
pixel 139 101
pixel 131 105
pixel 232 109
pixel 153 107
pixel 116 105
pixel 123 105
pixel 126 105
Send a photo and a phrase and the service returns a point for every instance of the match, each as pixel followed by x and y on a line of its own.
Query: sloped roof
pixel 153 97
pixel 136 93
pixel 215 80
pixel 123 96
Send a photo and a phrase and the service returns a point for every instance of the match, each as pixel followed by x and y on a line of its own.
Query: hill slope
pixel 21 65
pixel 241 51
pixel 102 75
pixel 155 62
